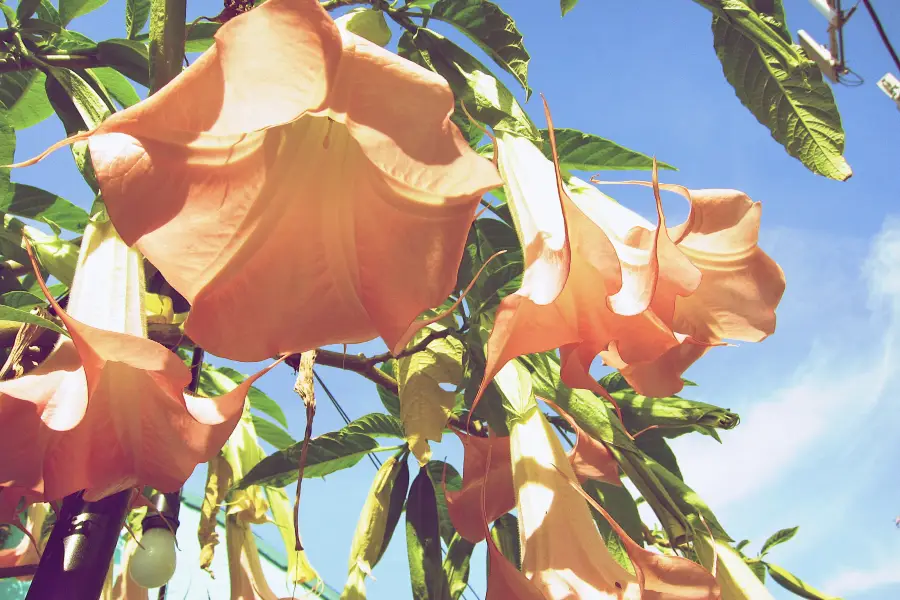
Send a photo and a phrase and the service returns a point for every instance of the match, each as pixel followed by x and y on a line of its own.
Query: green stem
pixel 335 4
pixel 167 33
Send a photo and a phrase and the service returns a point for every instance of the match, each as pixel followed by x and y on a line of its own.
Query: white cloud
pixel 856 582
pixel 812 408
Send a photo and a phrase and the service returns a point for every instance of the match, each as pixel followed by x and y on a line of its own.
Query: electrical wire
pixel 374 459
pixel 881 32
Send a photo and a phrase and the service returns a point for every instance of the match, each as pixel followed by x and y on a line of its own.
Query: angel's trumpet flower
pixel 106 411
pixel 298 184
pixel 601 280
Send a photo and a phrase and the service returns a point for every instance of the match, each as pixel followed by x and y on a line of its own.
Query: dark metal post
pixel 80 549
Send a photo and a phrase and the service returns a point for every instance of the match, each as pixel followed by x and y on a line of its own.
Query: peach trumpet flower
pixel 601 280
pixel 298 184
pixel 564 557
pixel 106 411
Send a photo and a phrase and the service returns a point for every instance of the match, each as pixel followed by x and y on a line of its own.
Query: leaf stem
pixel 167 34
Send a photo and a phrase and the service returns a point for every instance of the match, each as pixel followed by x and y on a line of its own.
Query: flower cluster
pixel 343 194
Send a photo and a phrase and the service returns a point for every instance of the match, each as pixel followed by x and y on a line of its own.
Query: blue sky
pixel 817 445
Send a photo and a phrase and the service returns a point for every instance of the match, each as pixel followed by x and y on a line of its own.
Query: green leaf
pixel 492 30
pixel 566 5
pixel 741 545
pixel 47 12
pixel 592 414
pixel 618 499
pixel 435 469
pixel 326 454
pixel 736 578
pixel 758 28
pixel 395 504
pixel 502 276
pixel 92 108
pixel 26 8
pixel 580 151
pixel 136 14
pixel 389 399
pixel 654 445
pixel 35 203
pixel 215 381
pixel 797 105
pixel 272 433
pixel 505 534
pixel 758 567
pixel 117 85
pixel 17 299
pixel 672 414
pixel 129 57
pixel 793 584
pixel 779 537
pixel 377 425
pixel 425 406
pixel 7 152
pixel 375 527
pixel 15 315
pixel 687 500
pixel 620 505
pixel 70 9
pixel 423 544
pixel 23 95
pixel 484 96
pixel 456 565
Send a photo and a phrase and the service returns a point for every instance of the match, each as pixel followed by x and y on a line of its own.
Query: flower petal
pixel 531 181
pixel 232 215
pixel 563 553
pixel 494 481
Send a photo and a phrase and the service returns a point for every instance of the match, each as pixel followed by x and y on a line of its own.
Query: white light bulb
pixel 153 565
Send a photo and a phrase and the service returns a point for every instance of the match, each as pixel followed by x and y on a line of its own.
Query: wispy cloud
pixel 860 581
pixel 815 450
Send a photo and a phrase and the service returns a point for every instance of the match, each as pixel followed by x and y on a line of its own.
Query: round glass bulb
pixel 153 565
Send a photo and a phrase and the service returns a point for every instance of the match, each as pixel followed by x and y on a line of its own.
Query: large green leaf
pixel 580 151
pixel 758 28
pixel 15 315
pixel 674 415
pixel 26 8
pixel 389 399
pixel 272 433
pixel 377 425
pixel 779 537
pixel 502 276
pixel 484 96
pixel 423 544
pixel 136 14
pixel 69 9
pixel 34 203
pixel 326 454
pixel 794 584
pixel 456 565
pixel 492 30
pixel 654 445
pixel 453 483
pixel 592 413
pixel 117 85
pixel 23 95
pixel 129 57
pixel 796 105
pixel 622 508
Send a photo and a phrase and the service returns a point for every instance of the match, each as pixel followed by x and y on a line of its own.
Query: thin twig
pixel 18 571
pixel 305 389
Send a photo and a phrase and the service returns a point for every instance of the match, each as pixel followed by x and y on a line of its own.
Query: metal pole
pixel 80 549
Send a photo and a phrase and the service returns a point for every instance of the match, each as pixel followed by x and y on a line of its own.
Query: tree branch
pixel 18 571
